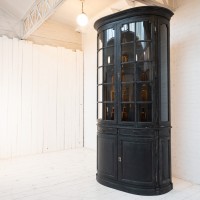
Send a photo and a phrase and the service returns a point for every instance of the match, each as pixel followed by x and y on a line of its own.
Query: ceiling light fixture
pixel 82 18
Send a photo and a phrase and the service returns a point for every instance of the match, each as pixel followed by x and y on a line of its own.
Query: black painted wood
pixel 134 127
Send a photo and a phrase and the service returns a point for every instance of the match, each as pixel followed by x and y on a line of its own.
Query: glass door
pixel 144 71
pixel 127 71
pixel 136 75
pixel 105 75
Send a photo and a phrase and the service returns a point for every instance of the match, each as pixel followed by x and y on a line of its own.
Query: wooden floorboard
pixel 70 175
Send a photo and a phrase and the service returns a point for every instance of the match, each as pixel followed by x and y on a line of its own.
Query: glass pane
pixel 100 78
pixel 108 74
pixel 128 33
pixel 100 58
pixel 144 112
pixel 110 36
pixel 127 112
pixel 127 92
pixel 143 51
pixel 108 111
pixel 100 93
pixel 100 40
pixel 164 74
pixel 143 30
pixel 109 56
pixel 127 73
pixel 106 38
pixel 127 52
pixel 108 92
pixel 100 111
pixel 144 72
pixel 143 92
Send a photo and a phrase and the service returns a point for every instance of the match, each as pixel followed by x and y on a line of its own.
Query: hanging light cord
pixel 82 6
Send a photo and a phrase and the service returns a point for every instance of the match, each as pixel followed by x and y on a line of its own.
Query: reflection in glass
pixel 106 55
pixel 144 112
pixel 127 73
pixel 128 33
pixel 112 93
pixel 127 52
pixel 143 51
pixel 100 93
pixel 109 56
pixel 164 74
pixel 106 38
pixel 100 78
pixel 100 39
pixel 100 58
pixel 108 92
pixel 144 71
pixel 143 92
pixel 110 35
pixel 143 30
pixel 112 113
pixel 127 112
pixel 127 92
pixel 100 110
pixel 108 74
pixel 108 111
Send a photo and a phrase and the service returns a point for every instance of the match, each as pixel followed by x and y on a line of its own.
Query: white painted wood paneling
pixel 41 98
pixel 80 73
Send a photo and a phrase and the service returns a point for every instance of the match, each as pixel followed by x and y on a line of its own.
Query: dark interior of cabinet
pixel 135 72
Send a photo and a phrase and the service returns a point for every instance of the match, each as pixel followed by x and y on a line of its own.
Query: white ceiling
pixel 12 12
pixel 68 11
pixel 16 8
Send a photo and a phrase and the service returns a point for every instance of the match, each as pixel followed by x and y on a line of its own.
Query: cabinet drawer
pixel 105 130
pixel 149 133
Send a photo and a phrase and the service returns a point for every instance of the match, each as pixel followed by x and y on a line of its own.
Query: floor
pixel 70 175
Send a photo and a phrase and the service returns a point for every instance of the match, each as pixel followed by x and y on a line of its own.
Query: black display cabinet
pixel 133 101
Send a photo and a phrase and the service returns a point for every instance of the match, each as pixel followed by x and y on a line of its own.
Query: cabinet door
pixel 136 72
pixel 127 72
pixel 105 75
pixel 107 155
pixel 136 160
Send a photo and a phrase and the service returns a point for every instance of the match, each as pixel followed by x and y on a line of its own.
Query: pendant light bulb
pixel 82 18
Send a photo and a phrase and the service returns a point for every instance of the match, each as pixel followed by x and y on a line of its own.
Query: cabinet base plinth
pixel 134 189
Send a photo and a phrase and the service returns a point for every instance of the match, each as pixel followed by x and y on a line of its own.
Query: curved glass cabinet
pixel 133 101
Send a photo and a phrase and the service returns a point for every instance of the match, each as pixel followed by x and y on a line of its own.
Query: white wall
pixel 90 89
pixel 185 65
pixel 41 98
